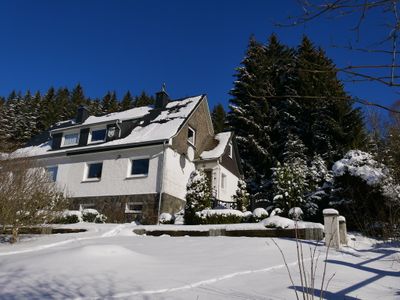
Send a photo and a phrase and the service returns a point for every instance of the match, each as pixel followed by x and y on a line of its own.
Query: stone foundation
pixel 125 208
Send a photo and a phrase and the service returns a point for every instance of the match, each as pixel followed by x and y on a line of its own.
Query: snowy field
pixel 109 261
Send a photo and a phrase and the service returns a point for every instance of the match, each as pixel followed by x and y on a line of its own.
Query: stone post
pixel 342 230
pixel 331 228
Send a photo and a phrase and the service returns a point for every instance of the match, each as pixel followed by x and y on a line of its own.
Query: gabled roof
pixel 152 126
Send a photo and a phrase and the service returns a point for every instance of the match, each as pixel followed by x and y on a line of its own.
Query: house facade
pixel 135 164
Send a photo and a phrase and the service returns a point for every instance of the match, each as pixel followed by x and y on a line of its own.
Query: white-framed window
pixel 52 172
pixel 191 135
pixel 93 171
pixel 139 167
pixel 70 139
pixel 134 207
pixel 230 149
pixel 97 135
pixel 223 181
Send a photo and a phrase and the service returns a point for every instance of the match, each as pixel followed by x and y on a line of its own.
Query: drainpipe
pixel 119 127
pixel 162 183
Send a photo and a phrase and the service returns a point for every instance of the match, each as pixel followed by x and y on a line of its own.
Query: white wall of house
pixel 177 172
pixel 228 189
pixel 114 179
pixel 221 192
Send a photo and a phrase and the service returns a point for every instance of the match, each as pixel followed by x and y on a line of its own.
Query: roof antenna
pixel 164 88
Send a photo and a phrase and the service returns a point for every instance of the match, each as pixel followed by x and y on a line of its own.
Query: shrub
pixel 92 216
pixel 260 214
pixel 219 216
pixel 166 218
pixel 28 196
pixel 198 196
pixel 66 219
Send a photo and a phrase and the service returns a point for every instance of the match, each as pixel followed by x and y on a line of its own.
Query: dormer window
pixel 97 135
pixel 230 149
pixel 191 135
pixel 70 139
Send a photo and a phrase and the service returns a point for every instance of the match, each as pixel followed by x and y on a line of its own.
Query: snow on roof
pixel 163 127
pixel 133 113
pixel 223 139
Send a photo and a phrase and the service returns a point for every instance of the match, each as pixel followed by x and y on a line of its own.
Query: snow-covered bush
pixel 75 216
pixel 290 184
pixel 166 218
pixel 365 192
pixel 242 196
pixel 277 222
pixel 248 217
pixel 219 216
pixel 295 213
pixel 276 211
pixel 259 214
pixel 198 196
pixel 68 217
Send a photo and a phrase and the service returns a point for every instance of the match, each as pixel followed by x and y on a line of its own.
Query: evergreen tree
pixel 77 99
pixel 62 106
pixel 242 196
pixel 46 110
pixel 143 100
pixel 198 196
pixel 327 122
pixel 109 103
pixel 127 101
pixel 218 117
pixel 257 95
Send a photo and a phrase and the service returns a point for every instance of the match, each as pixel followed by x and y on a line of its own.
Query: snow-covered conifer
pixel 242 196
pixel 198 195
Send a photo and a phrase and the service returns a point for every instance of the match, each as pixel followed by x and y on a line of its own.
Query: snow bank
pixel 285 223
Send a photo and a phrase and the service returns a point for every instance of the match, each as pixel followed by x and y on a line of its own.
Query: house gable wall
pixel 200 121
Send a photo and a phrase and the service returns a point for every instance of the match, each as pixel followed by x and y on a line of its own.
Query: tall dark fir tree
pixel 218 117
pixel 257 95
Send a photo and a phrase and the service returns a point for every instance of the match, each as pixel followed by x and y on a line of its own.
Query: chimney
pixel 162 98
pixel 82 114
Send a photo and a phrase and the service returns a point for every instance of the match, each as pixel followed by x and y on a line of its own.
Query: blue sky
pixel 192 46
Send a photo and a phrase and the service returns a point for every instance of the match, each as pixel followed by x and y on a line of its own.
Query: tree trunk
pixel 14 238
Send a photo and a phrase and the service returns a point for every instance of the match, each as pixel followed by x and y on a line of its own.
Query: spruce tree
pixel 127 101
pixel 143 100
pixel 109 103
pixel 257 94
pixel 327 122
pixel 77 99
pixel 218 117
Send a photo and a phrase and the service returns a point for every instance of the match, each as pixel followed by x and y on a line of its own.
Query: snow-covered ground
pixel 109 261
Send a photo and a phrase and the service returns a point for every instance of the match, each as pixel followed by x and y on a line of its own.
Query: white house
pixel 136 163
